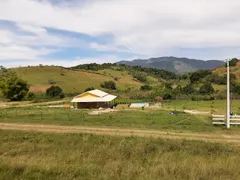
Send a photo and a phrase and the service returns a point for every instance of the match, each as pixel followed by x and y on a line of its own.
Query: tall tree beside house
pixel 12 87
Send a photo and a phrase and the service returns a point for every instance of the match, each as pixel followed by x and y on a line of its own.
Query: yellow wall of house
pixel 87 95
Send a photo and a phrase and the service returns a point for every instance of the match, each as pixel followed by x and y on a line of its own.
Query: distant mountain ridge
pixel 174 64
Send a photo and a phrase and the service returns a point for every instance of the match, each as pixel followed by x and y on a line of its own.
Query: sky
pixel 72 32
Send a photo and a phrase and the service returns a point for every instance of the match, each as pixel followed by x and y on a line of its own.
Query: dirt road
pixel 213 137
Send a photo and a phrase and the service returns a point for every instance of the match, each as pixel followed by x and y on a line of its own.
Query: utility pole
pixel 228 97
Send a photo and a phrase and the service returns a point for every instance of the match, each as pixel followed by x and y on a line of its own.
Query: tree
pixel 108 85
pixel 235 88
pixel 189 89
pixel 206 89
pixel 233 62
pixel 31 96
pixel 54 92
pixel 217 79
pixel 12 87
pixel 200 74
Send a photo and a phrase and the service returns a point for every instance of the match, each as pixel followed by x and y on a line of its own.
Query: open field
pixel 28 155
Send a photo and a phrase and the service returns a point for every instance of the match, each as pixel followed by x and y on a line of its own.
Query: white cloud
pixel 14 52
pixel 31 29
pixel 143 26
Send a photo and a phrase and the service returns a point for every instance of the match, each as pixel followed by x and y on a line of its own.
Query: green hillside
pixel 76 81
pixel 129 79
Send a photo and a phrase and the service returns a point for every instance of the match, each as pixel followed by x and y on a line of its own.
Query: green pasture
pixel 75 81
pixel 215 106
pixel 147 118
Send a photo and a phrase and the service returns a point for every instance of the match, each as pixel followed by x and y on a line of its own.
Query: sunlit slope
pixel 72 81
pixel 233 70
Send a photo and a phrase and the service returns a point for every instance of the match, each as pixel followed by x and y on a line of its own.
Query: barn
pixel 93 99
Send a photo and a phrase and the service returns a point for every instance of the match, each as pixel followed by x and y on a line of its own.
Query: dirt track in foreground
pixel 213 137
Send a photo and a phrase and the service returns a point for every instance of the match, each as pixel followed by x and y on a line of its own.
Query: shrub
pixel 189 89
pixel 51 81
pixel 31 96
pixel 116 78
pixel 168 95
pixel 89 89
pixel 108 85
pixel 146 88
pixel 54 92
pixel 140 76
pixel 206 89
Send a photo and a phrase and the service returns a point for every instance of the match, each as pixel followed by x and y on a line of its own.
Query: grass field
pixel 74 81
pixel 27 155
pixel 145 119
pixel 216 106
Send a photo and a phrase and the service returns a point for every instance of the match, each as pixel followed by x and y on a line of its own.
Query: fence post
pixel 6 114
pixel 41 114
pixel 69 115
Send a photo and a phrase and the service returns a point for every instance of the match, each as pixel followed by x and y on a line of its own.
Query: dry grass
pixel 80 156
pixel 39 88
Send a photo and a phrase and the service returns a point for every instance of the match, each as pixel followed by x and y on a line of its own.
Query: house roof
pixel 100 97
pixel 98 93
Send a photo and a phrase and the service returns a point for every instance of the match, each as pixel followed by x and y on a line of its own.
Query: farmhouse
pixel 93 99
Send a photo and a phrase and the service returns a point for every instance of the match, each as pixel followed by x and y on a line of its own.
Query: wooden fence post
pixel 69 115
pixel 41 114
pixel 6 114
pixel 54 115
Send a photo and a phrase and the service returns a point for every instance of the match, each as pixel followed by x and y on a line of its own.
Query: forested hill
pixel 174 64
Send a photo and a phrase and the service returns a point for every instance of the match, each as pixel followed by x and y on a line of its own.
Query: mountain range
pixel 174 64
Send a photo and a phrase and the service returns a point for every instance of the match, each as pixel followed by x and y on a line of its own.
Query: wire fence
pixel 128 118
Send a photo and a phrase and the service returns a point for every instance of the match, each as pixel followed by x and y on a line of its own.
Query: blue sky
pixel 71 32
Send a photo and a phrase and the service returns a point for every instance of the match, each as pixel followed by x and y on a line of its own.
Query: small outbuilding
pixel 93 99
pixel 139 105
